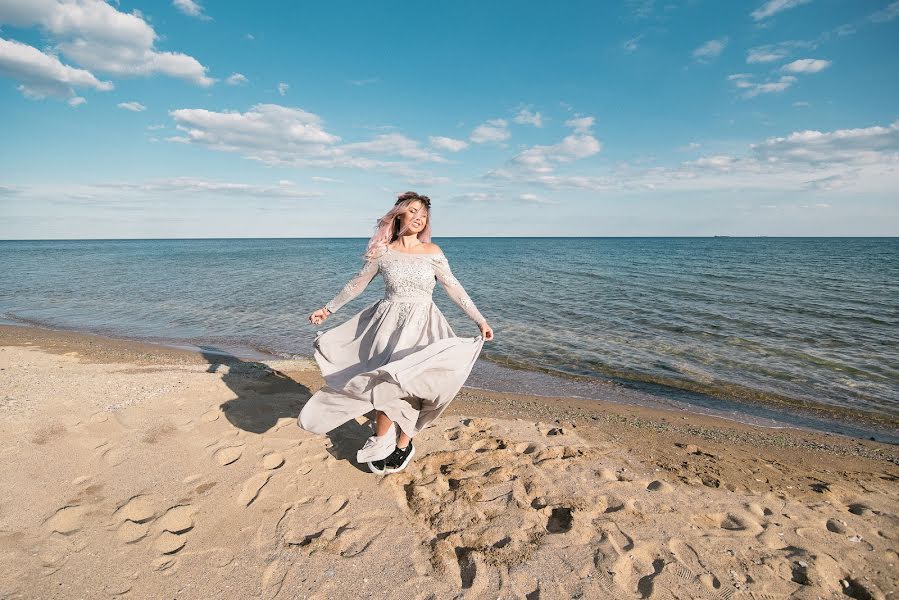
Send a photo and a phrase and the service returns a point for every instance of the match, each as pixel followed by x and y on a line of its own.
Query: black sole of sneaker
pixel 405 462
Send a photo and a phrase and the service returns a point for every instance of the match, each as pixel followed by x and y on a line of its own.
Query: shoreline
pixel 765 413
pixel 101 348
pixel 139 470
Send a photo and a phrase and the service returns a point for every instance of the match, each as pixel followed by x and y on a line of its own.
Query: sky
pixel 192 119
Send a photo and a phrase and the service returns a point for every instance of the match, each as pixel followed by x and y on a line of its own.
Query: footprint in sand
pixel 211 415
pixel 178 519
pixel 610 560
pixel 111 454
pixel 659 486
pixel 688 567
pixel 252 487
pixel 228 454
pixel 315 520
pixel 47 433
pixel 168 530
pixel 467 498
pixel 272 460
pixel 140 508
pixel 314 461
pixel 66 520
pixel 169 543
pixel 469 429
pixel 135 515
pixel 98 417
pixel 729 523
pixel 551 430
pixel 528 448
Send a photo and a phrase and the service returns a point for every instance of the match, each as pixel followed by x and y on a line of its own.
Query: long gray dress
pixel 398 355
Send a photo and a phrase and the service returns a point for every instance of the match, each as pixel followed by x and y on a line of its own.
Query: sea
pixel 773 331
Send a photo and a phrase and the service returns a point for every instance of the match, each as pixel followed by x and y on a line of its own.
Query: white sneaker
pixel 378 448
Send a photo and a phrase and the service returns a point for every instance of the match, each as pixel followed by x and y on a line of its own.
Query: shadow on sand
pixel 264 395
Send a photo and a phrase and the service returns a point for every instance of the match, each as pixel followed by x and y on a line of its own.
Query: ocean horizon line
pixel 473 237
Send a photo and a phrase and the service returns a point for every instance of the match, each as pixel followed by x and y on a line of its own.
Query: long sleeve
pixel 355 286
pixel 455 290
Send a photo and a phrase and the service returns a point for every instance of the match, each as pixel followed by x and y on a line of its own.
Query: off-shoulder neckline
pixel 389 249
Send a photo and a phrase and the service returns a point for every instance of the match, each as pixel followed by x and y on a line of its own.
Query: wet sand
pixel 134 470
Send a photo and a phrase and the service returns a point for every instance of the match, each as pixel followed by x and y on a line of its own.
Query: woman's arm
pixel 455 290
pixel 354 286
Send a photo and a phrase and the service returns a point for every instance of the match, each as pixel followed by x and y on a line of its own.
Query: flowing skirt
pixel 401 358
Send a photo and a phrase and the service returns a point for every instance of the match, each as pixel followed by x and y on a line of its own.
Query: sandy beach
pixel 133 470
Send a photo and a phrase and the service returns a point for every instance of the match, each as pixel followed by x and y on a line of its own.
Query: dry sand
pixel 136 471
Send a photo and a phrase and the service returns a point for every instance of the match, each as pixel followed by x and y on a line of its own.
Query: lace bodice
pixel 408 278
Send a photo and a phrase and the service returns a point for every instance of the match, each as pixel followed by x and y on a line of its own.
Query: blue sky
pixel 225 119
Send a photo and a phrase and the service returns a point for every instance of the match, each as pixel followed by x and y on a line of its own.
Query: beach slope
pixel 137 471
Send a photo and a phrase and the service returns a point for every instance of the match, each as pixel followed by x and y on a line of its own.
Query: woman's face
pixel 414 218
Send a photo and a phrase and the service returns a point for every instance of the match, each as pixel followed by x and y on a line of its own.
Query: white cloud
pixel 394 144
pixel 890 12
pixel 581 124
pixel 477 197
pixel 760 55
pixel 425 179
pixel 861 160
pixel 806 65
pixel 779 51
pixel 285 136
pixel 361 82
pixel 196 185
pixel 496 197
pixel 800 104
pixel 249 36
pixel 750 89
pixel 710 50
pixel 526 117
pixel 772 7
pixel 132 106
pixel 494 130
pixel 632 44
pixel 321 179
pixel 847 146
pixel 76 101
pixel 288 129
pixel 191 8
pixel 236 79
pixel 448 144
pixel 282 88
pixel 539 159
pixel 580 144
pixel 93 34
pixel 529 198
pixel 640 9
pixel 43 75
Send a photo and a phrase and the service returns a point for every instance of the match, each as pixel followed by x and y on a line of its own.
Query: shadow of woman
pixel 264 395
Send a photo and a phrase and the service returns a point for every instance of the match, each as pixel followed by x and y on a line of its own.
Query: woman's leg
pixel 403 440
pixel 382 425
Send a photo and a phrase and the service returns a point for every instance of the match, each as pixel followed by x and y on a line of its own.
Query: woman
pixel 398 356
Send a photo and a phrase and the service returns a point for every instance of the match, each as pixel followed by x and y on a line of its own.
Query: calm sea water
pixel 765 326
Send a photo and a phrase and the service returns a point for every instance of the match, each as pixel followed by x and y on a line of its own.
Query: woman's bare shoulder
pixel 432 248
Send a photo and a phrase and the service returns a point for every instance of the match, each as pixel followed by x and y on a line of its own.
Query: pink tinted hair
pixel 385 226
